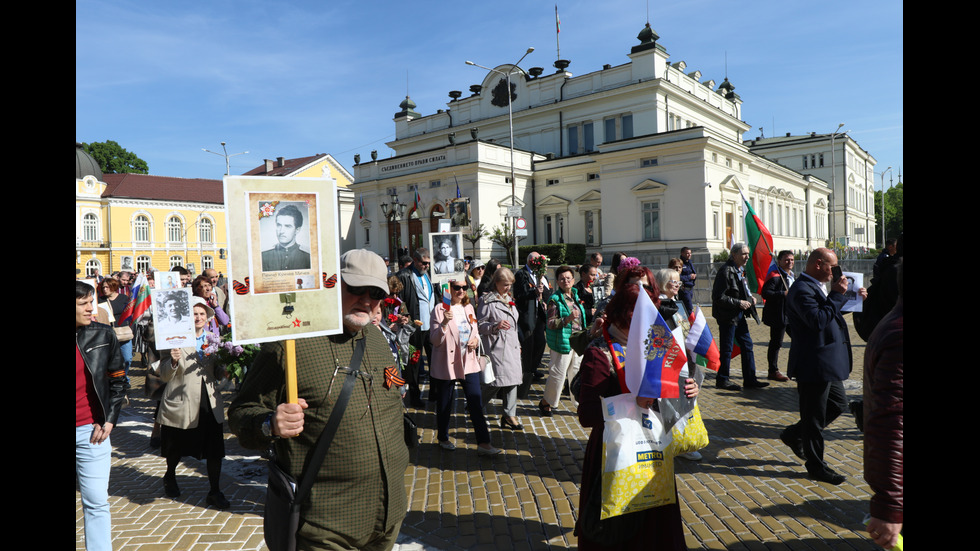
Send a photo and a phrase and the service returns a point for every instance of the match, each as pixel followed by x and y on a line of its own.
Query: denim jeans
pixel 446 400
pixel 731 333
pixel 92 463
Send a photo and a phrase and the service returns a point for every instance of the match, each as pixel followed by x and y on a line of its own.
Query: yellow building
pixel 152 222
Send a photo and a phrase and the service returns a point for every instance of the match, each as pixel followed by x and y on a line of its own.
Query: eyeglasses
pixel 458 287
pixel 374 292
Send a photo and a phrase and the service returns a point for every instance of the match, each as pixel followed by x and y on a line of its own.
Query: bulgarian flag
pixel 759 240
pixel 701 343
pixel 557 21
pixel 660 357
pixel 138 304
pixel 418 201
pixel 360 208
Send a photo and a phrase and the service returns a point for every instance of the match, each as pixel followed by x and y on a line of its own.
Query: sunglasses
pixel 374 292
pixel 458 287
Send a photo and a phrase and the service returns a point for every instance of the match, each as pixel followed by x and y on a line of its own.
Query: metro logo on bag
pixel 638 459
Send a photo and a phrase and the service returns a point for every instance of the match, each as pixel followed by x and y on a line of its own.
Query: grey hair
pixel 738 247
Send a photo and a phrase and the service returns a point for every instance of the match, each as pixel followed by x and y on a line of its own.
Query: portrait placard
pixel 284 257
pixel 126 264
pixel 446 255
pixel 173 319
pixel 855 280
pixel 460 215
pixel 167 280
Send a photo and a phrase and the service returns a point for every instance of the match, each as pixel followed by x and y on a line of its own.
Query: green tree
pixel 476 233
pixel 114 159
pixel 894 212
pixel 503 235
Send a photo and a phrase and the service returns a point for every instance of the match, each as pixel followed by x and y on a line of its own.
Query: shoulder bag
pixel 284 497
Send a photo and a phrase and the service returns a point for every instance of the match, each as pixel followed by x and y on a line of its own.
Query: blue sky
pixel 291 79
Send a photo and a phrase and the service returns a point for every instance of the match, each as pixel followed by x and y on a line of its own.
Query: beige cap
pixel 363 268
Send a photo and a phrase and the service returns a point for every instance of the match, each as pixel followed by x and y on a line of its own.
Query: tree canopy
pixel 114 159
pixel 894 211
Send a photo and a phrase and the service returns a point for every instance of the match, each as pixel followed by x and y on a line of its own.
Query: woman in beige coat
pixel 191 412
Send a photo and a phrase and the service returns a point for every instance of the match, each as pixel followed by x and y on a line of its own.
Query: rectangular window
pixel 627 127
pixel 551 182
pixel 651 220
pixel 572 144
pixel 588 138
pixel 610 125
pixel 648 162
pixel 435 183
pixel 413 187
pixel 592 176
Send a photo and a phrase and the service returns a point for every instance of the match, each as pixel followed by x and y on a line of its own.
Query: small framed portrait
pixel 460 215
pixel 446 254
pixel 173 321
pixel 126 264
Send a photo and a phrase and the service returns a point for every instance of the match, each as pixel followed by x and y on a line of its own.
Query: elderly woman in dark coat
pixel 497 319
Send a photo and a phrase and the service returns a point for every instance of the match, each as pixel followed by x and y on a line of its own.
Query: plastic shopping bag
pixel 638 458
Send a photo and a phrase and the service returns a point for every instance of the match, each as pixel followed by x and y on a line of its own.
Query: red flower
pixel 511 303
pixel 392 318
pixel 391 302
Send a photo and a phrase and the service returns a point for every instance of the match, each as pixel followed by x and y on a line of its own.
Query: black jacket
pixel 774 312
pixel 532 311
pixel 103 359
pixel 726 294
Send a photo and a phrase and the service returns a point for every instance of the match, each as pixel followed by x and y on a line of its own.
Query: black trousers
pixel 413 372
pixel 820 404
pixel 776 334
pixel 532 350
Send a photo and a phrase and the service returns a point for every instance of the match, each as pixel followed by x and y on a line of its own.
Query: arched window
pixel 141 229
pixel 207 262
pixel 176 260
pixel 90 227
pixel 175 230
pixel 205 233
pixel 92 267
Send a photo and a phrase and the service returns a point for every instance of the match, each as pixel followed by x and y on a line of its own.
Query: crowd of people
pixel 488 333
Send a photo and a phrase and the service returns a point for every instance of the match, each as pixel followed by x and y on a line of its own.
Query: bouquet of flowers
pixel 233 358
pixel 539 265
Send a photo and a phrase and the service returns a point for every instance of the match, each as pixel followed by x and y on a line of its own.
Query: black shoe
pixel 504 423
pixel 794 444
pixel 726 385
pixel 756 383
pixel 217 499
pixel 828 476
pixel 170 486
pixel 545 409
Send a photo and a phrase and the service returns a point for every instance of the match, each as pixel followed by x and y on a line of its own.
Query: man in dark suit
pixel 819 359
pixel 774 312
pixel 530 295
pixel 731 303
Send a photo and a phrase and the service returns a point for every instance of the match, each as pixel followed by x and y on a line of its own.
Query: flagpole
pixel 745 200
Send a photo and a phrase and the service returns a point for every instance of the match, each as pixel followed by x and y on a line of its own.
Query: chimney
pixel 268 165
pixel 281 161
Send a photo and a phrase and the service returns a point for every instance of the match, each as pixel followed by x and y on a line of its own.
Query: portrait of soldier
pixel 287 253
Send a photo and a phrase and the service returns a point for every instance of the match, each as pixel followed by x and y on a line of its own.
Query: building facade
pixel 160 222
pixel 644 157
pixel 852 214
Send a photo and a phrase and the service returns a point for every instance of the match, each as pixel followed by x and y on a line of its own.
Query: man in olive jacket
pixel 358 497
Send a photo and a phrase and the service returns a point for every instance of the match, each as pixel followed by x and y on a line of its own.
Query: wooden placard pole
pixel 292 395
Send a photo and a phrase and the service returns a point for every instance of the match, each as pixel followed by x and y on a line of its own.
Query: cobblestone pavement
pixel 750 492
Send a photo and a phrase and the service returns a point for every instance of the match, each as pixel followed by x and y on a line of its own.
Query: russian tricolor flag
pixel 701 343
pixel 447 295
pixel 656 351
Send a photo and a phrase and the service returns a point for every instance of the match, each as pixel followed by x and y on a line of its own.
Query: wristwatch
pixel 267 427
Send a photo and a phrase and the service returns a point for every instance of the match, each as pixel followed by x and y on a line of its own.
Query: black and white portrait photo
pixel 447 253
pixel 285 238
pixel 459 214
pixel 172 319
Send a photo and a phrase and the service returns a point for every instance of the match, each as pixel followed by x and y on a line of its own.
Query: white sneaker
pixel 690 456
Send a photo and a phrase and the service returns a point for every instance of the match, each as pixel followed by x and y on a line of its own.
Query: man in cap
pixel 358 498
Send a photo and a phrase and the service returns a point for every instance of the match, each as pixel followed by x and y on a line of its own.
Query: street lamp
pixel 226 156
pixel 510 122
pixel 833 179
pixel 883 236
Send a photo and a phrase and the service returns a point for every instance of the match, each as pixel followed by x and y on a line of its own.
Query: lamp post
pixel 883 236
pixel 226 156
pixel 833 179
pixel 510 122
